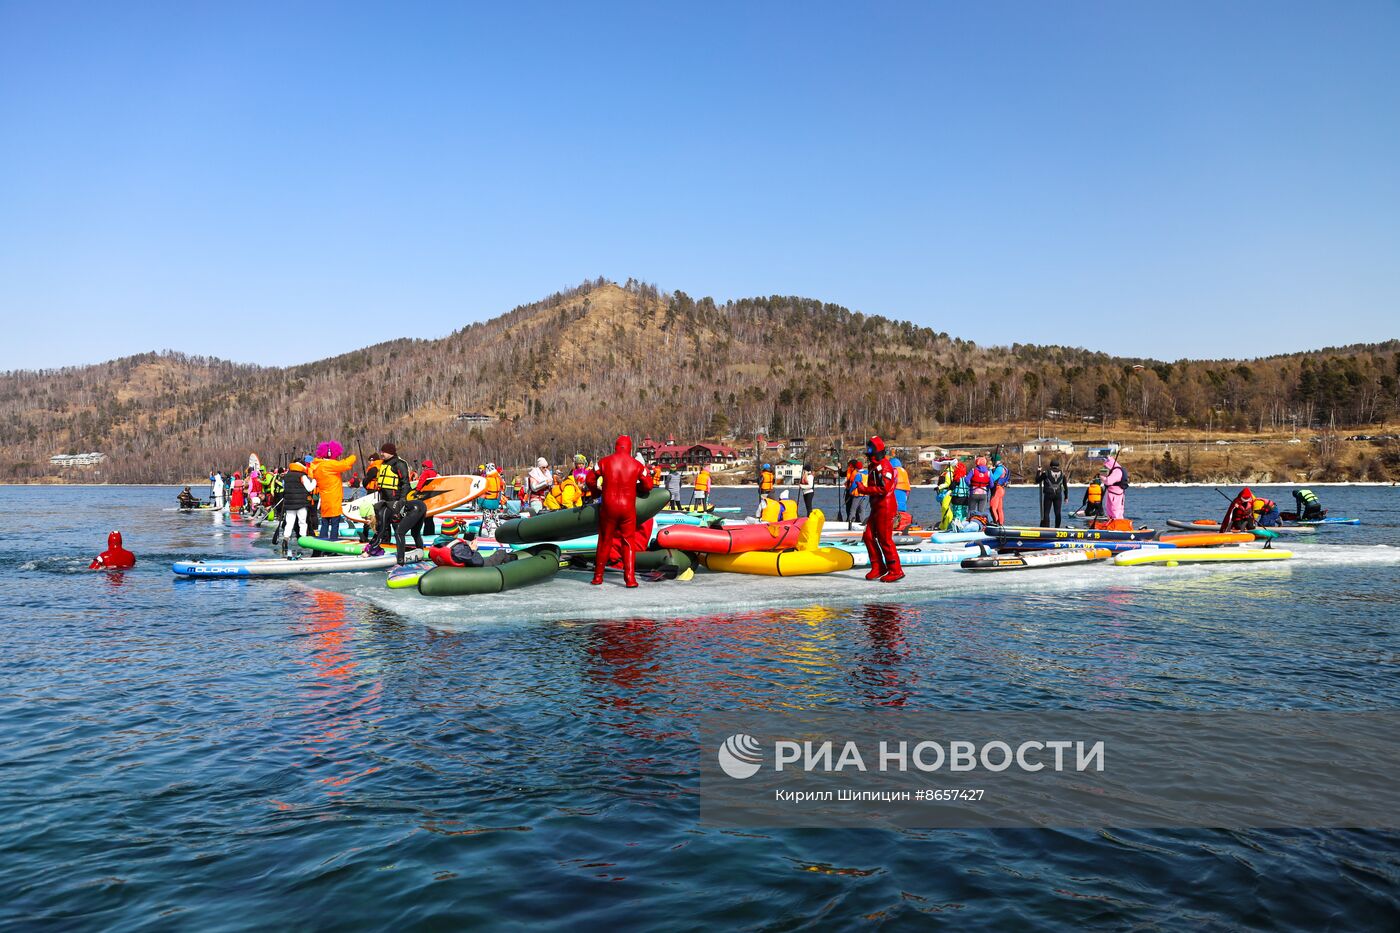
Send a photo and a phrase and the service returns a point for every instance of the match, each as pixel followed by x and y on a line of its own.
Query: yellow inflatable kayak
pixel 807 559
pixel 1174 556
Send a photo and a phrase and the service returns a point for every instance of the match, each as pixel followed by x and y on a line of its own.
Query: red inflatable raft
pixel 775 536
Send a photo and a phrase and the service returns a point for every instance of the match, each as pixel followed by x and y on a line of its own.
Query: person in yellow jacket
pixel 570 495
pixel 944 492
pixel 327 470
pixel 700 495
pixel 781 509
pixel 554 499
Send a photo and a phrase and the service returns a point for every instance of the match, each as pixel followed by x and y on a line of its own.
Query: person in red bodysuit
pixel 115 557
pixel 622 479
pixel 880 481
pixel 1240 515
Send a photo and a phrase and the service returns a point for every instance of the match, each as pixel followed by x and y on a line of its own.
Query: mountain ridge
pixel 568 372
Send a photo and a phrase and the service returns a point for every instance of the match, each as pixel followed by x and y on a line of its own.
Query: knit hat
pixel 451 526
pixel 389 449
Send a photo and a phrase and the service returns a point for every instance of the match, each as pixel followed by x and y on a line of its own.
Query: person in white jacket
pixel 216 489
pixel 538 482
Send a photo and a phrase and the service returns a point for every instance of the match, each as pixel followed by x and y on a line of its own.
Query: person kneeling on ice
pixel 880 483
pixel 1309 506
pixel 1266 513
pixel 1240 514
pixel 620 481
pixel 1092 506
pixel 115 557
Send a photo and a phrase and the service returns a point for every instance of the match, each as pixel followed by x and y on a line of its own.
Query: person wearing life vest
pixel 700 494
pixel 1054 490
pixel 781 509
pixel 296 502
pixel 115 557
pixel 276 482
pixel 554 499
pixel 1092 506
pixel 979 482
pixel 1115 487
pixel 1308 505
pixel 807 485
pixel 186 499
pixel 428 526
pixel 570 492
pixel 765 486
pixel 538 482
pixel 622 479
pixel 880 486
pixel 491 499
pixel 372 473
pixel 1001 478
pixel 328 470
pixel 1239 515
pixel 392 487
pixel 944 491
pixel 858 509
pixel 902 486
pixel 1266 513
pixel 962 492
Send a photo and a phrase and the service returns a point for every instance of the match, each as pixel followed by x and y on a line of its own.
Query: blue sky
pixel 280 182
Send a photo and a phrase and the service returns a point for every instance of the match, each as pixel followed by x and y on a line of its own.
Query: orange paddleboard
pixel 1207 539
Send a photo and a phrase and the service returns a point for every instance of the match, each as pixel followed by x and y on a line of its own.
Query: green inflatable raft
pixel 563 524
pixel 534 565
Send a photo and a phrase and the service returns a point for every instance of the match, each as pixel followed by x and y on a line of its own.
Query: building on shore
pixel 64 461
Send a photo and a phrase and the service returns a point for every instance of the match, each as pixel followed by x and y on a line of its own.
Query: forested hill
pixel 569 372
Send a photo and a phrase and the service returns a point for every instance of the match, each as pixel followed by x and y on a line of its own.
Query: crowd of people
pixel 306 495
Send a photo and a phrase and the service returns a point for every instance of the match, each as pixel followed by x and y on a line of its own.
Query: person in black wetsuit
pixel 391 482
pixel 1054 490
pixel 187 499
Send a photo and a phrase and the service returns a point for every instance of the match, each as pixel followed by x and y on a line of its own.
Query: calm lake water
pixel 223 754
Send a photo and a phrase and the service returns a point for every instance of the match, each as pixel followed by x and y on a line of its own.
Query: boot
pixel 894 576
pixel 876 571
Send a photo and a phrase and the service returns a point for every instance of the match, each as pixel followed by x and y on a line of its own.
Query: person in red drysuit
pixel 881 479
pixel 115 557
pixel 622 480
pixel 1240 515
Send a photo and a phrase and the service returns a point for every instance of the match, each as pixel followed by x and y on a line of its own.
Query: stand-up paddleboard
pixel 534 565
pixel 1068 534
pixel 1203 524
pixel 910 556
pixel 563 524
pixel 1200 556
pixel 1293 518
pixel 280 566
pixel 442 493
pixel 1032 544
pixel 1034 560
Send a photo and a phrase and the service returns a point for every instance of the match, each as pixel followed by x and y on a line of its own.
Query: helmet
pixel 768 466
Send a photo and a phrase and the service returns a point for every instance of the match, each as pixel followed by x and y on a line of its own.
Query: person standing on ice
pixel 538 482
pixel 216 489
pixel 620 480
pixel 880 484
pixel 1115 488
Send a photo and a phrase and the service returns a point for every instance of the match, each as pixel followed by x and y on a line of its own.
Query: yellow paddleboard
pixel 1198 556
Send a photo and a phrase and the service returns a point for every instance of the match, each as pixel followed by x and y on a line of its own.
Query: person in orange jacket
pixel 327 470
